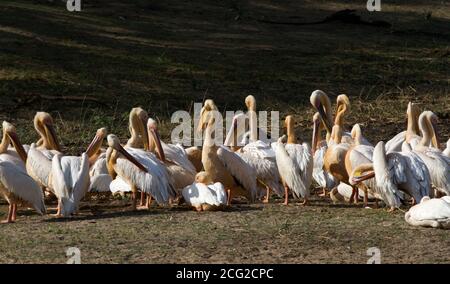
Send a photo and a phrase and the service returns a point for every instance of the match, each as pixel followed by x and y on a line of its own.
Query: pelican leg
pixel 14 212
pixel 58 210
pixel 392 209
pixel 142 198
pixel 149 201
pixel 286 195
pixel 266 199
pixel 229 197
pixel 305 202
pixel 324 192
pixel 354 196
pixel 9 217
pixel 366 196
pixel 133 199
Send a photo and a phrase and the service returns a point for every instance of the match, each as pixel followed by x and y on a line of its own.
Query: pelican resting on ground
pixel 16 186
pixel 430 212
pixel 204 195
pixel 295 164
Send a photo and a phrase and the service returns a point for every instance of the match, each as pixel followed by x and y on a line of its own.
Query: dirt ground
pixel 89 68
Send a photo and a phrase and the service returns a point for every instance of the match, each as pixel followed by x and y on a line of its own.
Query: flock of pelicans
pixel 409 168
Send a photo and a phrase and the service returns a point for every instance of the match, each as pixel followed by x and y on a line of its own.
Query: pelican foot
pixel 6 221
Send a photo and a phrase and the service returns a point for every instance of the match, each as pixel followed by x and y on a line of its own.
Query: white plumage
pixel 446 152
pixel 324 179
pixel 70 181
pixel 100 178
pixel 430 213
pixel 199 194
pixel 295 165
pixel 16 183
pixel 39 166
pixel 243 173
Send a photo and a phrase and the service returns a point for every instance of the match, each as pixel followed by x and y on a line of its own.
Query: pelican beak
pixel 315 138
pixel 18 146
pixel 435 139
pixel 51 136
pixel 324 117
pixel 359 177
pixel 157 139
pixel 95 145
pixel 131 158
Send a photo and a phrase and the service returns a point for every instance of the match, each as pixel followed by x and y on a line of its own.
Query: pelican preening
pixel 16 186
pixel 409 165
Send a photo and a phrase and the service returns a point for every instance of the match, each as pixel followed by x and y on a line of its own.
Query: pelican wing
pixel 301 154
pixel 38 166
pixel 323 178
pixel 395 143
pixel 439 168
pixel 419 178
pixel 16 180
pixel 266 170
pixel 82 181
pixel 239 169
pixel 59 184
pixel 177 155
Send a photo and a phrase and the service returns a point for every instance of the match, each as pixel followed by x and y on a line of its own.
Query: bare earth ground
pixel 88 69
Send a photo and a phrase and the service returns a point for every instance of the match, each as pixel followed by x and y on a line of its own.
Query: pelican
pixel 411 135
pixel 356 155
pixel 194 155
pixel 100 178
pixel 139 171
pixel 40 154
pixel 250 102
pixel 173 156
pixel 319 147
pixel 395 171
pixel 204 195
pixel 295 164
pixel 321 103
pixel 224 166
pixel 430 212
pixel 437 163
pixel 446 152
pixel 261 157
pixel 16 186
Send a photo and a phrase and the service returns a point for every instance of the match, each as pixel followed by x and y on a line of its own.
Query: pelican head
pixel 321 103
pixel 203 177
pixel 250 102
pixel 96 143
pixel 137 121
pixel 342 101
pixel 208 106
pixel 114 145
pixel 9 130
pixel 154 138
pixel 43 123
pixel 356 134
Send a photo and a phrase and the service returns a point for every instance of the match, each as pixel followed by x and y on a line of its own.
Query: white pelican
pixel 262 136
pixel 224 166
pixel 322 104
pixel 16 186
pixel 433 213
pixel 356 155
pixel 204 195
pixel 437 163
pixel 40 154
pixel 411 135
pixel 139 171
pixel 446 152
pixel 319 147
pixel 100 178
pixel 70 178
pixel 261 157
pixel 295 164
pixel 173 156
pixel 395 171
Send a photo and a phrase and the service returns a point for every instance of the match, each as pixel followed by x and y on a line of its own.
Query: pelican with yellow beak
pixel 16 186
pixel 138 171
